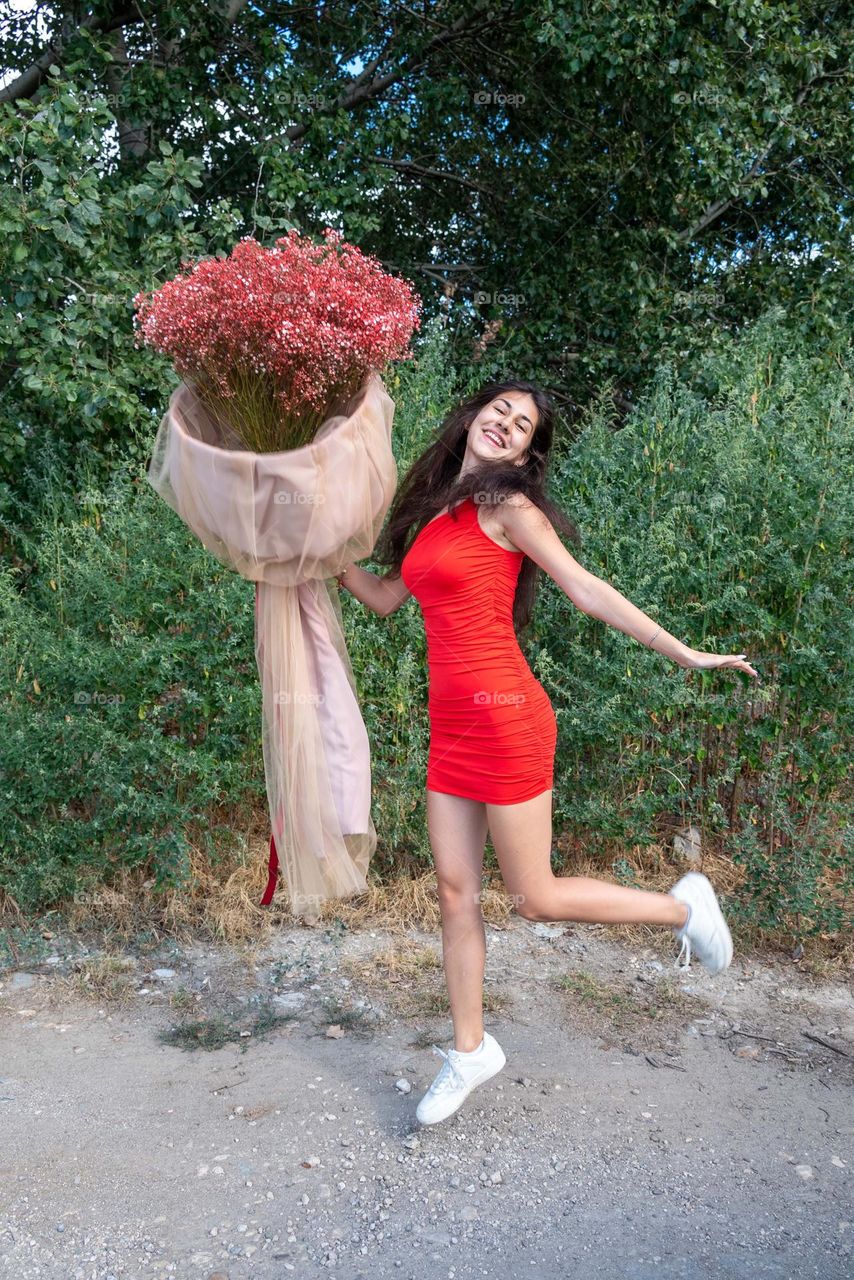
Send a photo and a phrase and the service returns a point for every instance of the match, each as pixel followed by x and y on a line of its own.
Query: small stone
pixel 805 1171
pixel 402 1085
pixel 163 973
pixel 291 1001
pixel 19 981
pixel 687 844
pixel 548 930
pixel 751 1051
pixel 495 1176
pixel 411 1143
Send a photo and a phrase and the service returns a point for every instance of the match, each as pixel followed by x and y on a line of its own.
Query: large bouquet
pixel 276 452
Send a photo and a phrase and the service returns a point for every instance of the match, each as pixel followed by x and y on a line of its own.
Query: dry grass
pixel 222 905
pixel 624 1006
pixel 409 977
pixel 105 978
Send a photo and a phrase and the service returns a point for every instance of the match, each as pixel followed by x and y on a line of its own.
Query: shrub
pixel 727 516
pixel 723 509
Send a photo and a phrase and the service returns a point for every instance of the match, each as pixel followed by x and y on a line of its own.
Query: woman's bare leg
pixel 522 838
pixel 457 828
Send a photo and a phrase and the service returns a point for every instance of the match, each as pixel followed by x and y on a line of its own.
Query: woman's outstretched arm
pixel 531 531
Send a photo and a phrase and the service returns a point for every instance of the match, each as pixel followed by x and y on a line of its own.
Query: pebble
pixel 19 981
pixel 548 930
pixel 290 1000
pixel 402 1085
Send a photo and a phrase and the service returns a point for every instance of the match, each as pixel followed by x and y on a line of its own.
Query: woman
pixel 485 530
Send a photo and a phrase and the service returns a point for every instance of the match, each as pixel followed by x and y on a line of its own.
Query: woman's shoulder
pixel 519 506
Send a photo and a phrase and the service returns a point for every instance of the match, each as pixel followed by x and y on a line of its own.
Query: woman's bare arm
pixel 382 595
pixel 531 531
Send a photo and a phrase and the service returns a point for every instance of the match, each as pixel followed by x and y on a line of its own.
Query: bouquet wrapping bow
pixel 290 521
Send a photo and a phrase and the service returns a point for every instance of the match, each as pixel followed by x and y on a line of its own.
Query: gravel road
pixel 647 1123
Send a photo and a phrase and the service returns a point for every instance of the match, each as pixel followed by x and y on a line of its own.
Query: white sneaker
pixel 706 929
pixel 459 1074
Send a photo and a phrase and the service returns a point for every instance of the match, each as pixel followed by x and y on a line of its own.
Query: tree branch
pixel 419 171
pixel 717 207
pixel 361 90
pixel 32 79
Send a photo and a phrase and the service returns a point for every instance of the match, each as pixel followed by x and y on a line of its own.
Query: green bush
pixel 723 509
pixel 129 700
pixel 727 516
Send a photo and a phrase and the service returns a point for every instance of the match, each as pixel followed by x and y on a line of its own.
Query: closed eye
pixel 497 404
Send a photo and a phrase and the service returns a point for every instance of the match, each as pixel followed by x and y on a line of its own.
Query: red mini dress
pixel 493 731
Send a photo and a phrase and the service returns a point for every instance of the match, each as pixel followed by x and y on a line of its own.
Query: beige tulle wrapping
pixel 290 521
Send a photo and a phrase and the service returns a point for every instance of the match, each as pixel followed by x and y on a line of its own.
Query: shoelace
pixel 449 1075
pixel 686 952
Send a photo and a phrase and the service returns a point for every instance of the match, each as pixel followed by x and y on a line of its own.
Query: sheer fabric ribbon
pixel 289 522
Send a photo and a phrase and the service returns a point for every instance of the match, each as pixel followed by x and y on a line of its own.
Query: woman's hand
pixel 707 661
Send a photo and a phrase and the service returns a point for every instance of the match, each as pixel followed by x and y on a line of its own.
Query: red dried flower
pixel 272 338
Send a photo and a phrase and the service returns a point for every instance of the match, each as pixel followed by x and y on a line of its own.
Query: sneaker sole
pixel 705 888
pixel 486 1074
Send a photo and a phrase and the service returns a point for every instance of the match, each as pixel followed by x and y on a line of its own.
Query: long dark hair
pixel 433 482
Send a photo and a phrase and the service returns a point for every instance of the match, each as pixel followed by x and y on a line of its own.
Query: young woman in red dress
pixel 484 529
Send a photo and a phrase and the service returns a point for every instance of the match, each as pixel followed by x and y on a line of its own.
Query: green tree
pixel 582 189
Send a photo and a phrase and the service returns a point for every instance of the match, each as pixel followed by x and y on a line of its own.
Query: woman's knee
pixel 458 897
pixel 531 905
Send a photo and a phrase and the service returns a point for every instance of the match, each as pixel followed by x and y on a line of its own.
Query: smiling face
pixel 502 429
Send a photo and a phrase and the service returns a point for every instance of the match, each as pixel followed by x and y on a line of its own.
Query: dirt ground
pixel 211 1113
